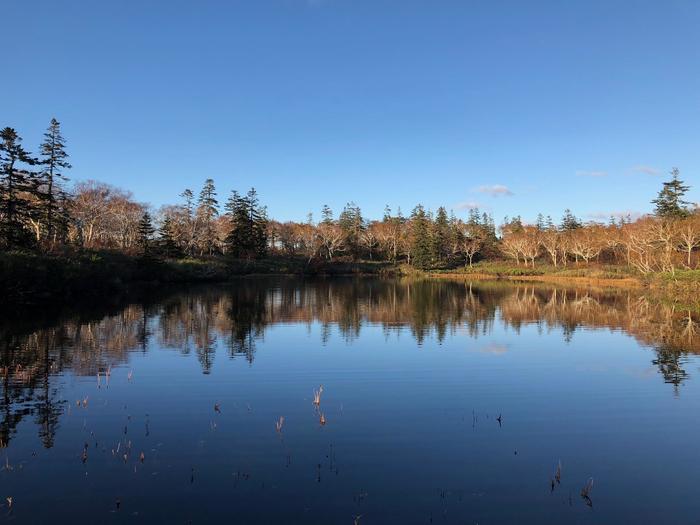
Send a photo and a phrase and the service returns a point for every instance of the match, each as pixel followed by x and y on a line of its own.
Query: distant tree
pixel 166 240
pixel 569 221
pixel 259 223
pixel 189 222
pixel 54 161
pixel 689 236
pixel 248 224
pixel 387 213
pixel 388 234
pixel 420 238
pixel 540 223
pixel 17 185
pixel 550 240
pixel 530 240
pixel 145 233
pixel 330 238
pixel 473 237
pixel 441 236
pixel 514 225
pixel 207 211
pixel 326 215
pixel 238 241
pixel 474 217
pixel 62 219
pixel 353 226
pixel 670 203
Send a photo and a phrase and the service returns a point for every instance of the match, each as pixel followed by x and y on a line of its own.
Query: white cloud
pixel 495 190
pixel 468 205
pixel 591 173
pixel 648 170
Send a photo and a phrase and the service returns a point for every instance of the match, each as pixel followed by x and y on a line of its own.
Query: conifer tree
pixel 62 217
pixel 670 203
pixel 145 233
pixel 540 224
pixel 351 223
pixel 54 161
pixel 248 235
pixel 258 224
pixel 208 210
pixel 387 214
pixel 569 221
pixel 16 185
pixel 237 212
pixel 514 225
pixel 420 238
pixel 326 215
pixel 190 223
pixel 441 235
pixel 166 241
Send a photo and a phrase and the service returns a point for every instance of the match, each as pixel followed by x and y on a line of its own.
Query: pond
pixel 441 402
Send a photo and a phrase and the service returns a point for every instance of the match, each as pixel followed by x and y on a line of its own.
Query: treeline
pixel 663 241
pixel 38 212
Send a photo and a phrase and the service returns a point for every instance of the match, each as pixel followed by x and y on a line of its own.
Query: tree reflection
pixel 233 319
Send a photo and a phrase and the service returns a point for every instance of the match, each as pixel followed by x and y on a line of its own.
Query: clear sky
pixel 519 106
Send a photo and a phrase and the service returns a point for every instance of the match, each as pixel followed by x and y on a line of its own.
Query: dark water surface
pixel 414 375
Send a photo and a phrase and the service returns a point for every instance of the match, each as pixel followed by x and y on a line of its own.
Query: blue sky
pixel 521 107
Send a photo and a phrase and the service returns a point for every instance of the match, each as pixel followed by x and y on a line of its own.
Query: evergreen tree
pixel 670 203
pixel 258 223
pixel 166 241
pixel 540 224
pixel 238 238
pixel 387 214
pixel 420 238
pixel 16 186
pixel 208 210
pixel 145 233
pixel 490 226
pixel 514 225
pixel 569 221
pixel 54 160
pixel 351 222
pixel 441 235
pixel 190 222
pixel 62 217
pixel 248 235
pixel 326 215
pixel 473 216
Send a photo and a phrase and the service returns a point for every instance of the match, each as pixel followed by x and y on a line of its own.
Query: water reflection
pixel 232 320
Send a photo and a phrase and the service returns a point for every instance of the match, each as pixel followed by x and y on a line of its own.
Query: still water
pixel 442 402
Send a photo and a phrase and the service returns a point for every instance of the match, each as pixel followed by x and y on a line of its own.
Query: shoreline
pixel 623 282
pixel 33 279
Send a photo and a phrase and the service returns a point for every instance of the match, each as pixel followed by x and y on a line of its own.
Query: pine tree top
pixel 669 203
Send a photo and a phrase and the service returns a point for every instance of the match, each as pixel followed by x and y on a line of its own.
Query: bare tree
pixel 689 236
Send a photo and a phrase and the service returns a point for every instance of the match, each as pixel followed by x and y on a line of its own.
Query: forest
pixel 41 213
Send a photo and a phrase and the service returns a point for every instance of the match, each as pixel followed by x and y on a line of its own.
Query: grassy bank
pixel 28 278
pixel 599 275
pixel 680 288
